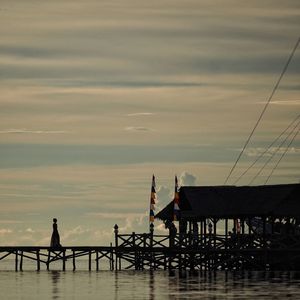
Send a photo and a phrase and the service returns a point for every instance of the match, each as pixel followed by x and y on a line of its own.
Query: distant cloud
pixel 164 196
pixel 24 130
pixel 186 179
pixel 286 102
pixel 254 152
pixel 133 128
pixel 4 231
pixel 140 114
pixel 110 215
pixel 10 222
pixel 282 102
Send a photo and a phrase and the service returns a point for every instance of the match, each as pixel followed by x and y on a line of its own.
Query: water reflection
pixel 234 285
pixel 55 278
pixel 151 286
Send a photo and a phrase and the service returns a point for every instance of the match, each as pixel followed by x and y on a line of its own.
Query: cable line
pixel 282 155
pixel 274 152
pixel 265 107
pixel 266 150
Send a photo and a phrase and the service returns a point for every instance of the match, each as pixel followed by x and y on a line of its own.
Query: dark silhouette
pixel 55 239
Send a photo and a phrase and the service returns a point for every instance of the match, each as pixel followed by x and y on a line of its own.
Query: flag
pixel 152 201
pixel 176 201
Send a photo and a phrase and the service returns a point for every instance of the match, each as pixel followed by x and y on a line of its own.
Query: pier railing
pixel 170 251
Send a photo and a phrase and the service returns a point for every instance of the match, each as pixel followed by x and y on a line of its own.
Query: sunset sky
pixel 96 96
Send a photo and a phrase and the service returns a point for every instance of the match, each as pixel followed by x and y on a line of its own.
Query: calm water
pixel 147 285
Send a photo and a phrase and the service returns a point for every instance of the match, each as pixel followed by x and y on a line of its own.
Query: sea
pixel 127 284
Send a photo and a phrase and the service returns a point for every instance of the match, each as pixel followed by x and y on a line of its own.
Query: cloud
pixel 139 128
pixel 11 222
pixel 140 114
pixel 254 152
pixel 282 102
pixel 161 229
pixel 286 102
pixel 163 196
pixel 24 130
pixel 5 231
pixel 186 179
pixel 113 215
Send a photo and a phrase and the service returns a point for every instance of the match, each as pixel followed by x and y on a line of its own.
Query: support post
pixel 48 260
pixel 74 263
pixel 16 262
pixel 97 260
pixel 226 233
pixel 201 232
pixel 116 230
pixel 151 245
pixel 90 260
pixel 243 225
pixel 215 232
pixel 21 261
pixel 112 258
pixel 38 262
pixel 64 260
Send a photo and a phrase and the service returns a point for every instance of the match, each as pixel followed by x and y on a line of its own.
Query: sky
pixel 96 96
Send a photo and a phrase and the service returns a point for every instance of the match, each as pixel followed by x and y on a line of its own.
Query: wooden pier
pixel 147 251
pixel 220 228
pixel 47 255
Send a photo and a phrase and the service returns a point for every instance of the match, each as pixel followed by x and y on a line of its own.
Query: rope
pixel 266 150
pixel 274 153
pixel 282 155
pixel 264 109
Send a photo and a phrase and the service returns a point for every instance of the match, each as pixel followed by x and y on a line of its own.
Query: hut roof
pixel 231 201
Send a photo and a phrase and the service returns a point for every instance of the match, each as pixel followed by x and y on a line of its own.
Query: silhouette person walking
pixel 55 239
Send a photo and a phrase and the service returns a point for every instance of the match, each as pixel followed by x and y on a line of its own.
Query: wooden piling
pixel 21 261
pixel 90 260
pixel 16 261
pixel 97 261
pixel 38 262
pixel 48 260
pixel 74 263
pixel 111 261
pixel 64 260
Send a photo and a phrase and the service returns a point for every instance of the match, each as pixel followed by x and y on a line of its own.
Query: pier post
pixel 112 258
pixel 136 266
pixel 151 245
pixel 97 260
pixel 116 230
pixel 16 262
pixel 21 261
pixel 90 260
pixel 64 260
pixel 226 234
pixel 38 262
pixel 48 260
pixel 74 263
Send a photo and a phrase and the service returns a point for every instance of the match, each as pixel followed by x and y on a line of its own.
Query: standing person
pixel 55 239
